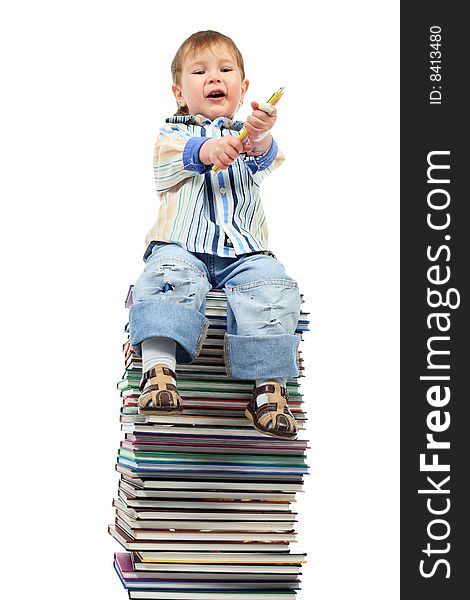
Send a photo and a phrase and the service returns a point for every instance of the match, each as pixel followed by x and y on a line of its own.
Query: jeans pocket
pixel 247 287
pixel 152 248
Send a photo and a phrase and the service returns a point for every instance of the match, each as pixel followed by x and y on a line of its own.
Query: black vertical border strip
pixel 426 128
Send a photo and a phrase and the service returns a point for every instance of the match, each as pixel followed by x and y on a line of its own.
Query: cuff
pixel 261 357
pixel 191 160
pixel 258 163
pixel 159 318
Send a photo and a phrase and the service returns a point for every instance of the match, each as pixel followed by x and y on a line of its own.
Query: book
pixel 202 535
pixel 190 430
pixel 217 545
pixel 207 484
pixel 224 558
pixel 131 567
pixel 233 447
pixel 205 513
pixel 213 595
pixel 209 504
pixel 240 525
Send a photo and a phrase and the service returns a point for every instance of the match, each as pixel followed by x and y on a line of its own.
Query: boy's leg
pixel 262 314
pixel 169 301
pixel 167 322
pixel 158 351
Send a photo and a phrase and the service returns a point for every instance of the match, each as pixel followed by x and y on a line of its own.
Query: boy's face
pixel 211 83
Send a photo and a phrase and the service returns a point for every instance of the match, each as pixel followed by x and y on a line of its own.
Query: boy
pixel 211 232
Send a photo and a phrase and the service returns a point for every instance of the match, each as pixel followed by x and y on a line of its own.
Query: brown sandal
pixel 275 412
pixel 158 391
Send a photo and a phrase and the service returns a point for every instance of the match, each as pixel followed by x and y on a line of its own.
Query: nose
pixel 213 76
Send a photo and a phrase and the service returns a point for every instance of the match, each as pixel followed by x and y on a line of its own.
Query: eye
pixel 198 72
pixel 226 69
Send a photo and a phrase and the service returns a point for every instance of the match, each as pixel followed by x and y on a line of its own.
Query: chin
pixel 221 113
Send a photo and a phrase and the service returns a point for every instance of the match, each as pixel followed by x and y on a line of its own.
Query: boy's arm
pixel 176 157
pixel 262 146
pixel 265 155
pixel 263 165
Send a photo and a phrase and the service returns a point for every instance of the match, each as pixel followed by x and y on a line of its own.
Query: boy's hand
pixel 259 122
pixel 221 152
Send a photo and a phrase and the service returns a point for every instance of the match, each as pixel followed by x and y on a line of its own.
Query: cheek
pixel 237 87
pixel 195 90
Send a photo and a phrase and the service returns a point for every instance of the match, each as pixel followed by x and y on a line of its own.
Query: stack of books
pixel 204 500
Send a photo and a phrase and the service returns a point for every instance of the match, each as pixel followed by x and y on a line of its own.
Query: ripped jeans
pixel 263 307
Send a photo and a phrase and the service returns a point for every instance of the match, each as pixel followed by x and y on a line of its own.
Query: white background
pixel 85 88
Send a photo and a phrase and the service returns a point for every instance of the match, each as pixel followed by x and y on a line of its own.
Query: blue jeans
pixel 263 307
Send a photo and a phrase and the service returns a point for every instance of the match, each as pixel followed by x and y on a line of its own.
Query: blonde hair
pixel 199 41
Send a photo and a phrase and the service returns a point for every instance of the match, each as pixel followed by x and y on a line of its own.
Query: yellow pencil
pixel 273 101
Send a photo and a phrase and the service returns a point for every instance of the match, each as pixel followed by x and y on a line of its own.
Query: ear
pixel 178 93
pixel 245 85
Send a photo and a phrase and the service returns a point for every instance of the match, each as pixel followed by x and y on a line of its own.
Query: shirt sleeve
pixel 263 165
pixel 176 157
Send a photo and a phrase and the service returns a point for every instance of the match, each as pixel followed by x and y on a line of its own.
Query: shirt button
pixel 222 190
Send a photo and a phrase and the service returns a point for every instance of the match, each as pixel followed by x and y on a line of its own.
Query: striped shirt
pixel 202 210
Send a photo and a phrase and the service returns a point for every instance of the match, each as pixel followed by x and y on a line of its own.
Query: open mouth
pixel 216 94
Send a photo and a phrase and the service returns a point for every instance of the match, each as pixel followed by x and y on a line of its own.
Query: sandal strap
pixel 272 408
pixel 265 408
pixel 270 388
pixel 158 387
pixel 162 399
pixel 280 421
pixel 156 371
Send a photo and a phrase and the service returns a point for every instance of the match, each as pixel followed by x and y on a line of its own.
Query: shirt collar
pixel 219 123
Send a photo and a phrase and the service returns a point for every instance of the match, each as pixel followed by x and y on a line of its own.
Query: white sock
pixel 158 351
pixel 263 398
